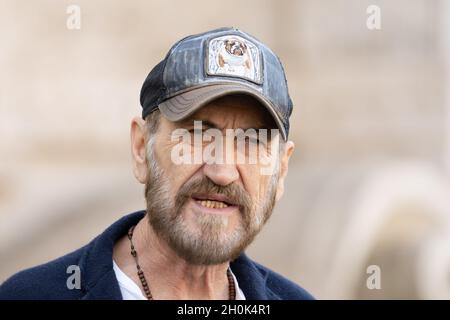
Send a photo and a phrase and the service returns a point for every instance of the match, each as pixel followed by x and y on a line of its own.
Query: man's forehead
pixel 241 110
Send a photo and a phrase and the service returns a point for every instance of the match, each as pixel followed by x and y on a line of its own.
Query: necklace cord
pixel 140 272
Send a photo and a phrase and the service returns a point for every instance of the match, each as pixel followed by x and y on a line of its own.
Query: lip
pixel 213 196
pixel 225 211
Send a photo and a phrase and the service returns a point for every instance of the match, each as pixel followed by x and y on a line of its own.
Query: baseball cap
pixel 203 67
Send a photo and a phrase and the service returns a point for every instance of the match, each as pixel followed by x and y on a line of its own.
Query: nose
pixel 221 174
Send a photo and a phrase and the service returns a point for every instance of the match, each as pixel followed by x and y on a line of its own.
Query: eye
pixel 196 131
pixel 252 140
pixel 198 135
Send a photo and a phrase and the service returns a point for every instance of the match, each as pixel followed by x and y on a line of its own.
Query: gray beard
pixel 209 244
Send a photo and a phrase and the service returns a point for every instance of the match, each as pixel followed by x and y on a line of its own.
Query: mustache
pixel 233 192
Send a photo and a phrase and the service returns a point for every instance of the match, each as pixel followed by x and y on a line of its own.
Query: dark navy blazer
pixel 98 280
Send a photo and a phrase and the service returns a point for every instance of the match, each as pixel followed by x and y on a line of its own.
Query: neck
pixel 168 275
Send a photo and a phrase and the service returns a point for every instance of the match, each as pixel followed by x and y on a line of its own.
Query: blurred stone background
pixel 369 182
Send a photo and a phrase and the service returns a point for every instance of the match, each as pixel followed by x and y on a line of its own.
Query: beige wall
pixel 368 183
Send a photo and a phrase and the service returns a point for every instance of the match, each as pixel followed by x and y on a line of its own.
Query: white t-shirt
pixel 131 291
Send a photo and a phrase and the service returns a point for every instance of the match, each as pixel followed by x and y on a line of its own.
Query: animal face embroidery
pixel 234 56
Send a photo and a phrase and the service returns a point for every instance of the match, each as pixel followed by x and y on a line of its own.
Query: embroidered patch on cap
pixel 234 56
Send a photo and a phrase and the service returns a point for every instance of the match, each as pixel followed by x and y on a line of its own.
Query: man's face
pixel 209 213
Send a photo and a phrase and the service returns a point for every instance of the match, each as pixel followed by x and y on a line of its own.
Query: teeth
pixel 213 204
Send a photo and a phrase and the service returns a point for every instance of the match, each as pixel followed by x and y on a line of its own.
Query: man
pixel 206 198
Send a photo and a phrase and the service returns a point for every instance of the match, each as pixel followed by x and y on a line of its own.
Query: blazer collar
pixel 96 265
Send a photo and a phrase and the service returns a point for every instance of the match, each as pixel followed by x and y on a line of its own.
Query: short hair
pixel 152 122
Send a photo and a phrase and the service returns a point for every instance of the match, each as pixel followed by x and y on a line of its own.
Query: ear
pixel 138 134
pixel 284 164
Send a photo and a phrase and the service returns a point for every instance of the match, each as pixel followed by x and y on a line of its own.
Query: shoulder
pixel 46 281
pixel 283 287
pixel 261 283
pixel 83 274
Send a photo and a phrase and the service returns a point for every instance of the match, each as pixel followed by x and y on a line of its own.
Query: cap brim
pixel 183 105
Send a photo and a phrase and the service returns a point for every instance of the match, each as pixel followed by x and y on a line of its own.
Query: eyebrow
pixel 189 122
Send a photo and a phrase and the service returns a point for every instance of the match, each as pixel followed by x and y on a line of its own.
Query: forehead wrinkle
pixel 189 122
pixel 226 111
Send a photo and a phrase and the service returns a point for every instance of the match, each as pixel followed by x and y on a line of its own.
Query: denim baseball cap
pixel 203 67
